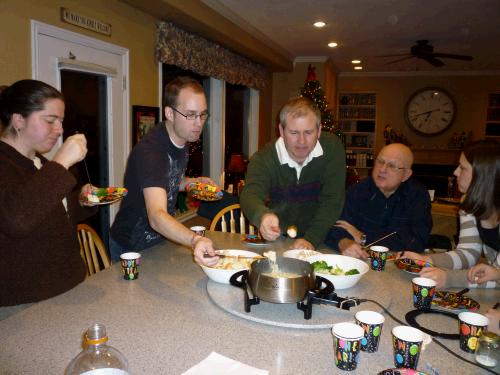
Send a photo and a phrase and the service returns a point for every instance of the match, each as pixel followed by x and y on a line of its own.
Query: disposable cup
pixel 346 345
pixel 378 256
pixel 372 323
pixel 471 325
pixel 130 265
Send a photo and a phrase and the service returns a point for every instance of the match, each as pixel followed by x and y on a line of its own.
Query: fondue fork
pixel 234 256
pixel 380 239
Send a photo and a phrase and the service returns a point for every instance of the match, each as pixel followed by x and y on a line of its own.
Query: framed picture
pixel 143 120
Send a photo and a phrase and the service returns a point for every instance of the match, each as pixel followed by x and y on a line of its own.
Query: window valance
pixel 189 51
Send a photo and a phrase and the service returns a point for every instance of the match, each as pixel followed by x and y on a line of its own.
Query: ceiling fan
pixel 423 50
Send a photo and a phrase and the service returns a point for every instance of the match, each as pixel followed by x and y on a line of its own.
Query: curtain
pixel 189 51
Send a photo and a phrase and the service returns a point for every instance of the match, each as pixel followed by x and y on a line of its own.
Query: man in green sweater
pixel 297 181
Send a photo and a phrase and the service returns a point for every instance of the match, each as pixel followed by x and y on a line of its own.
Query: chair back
pixel 238 223
pixel 90 245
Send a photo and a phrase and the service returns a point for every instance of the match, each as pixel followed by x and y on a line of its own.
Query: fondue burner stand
pixel 316 296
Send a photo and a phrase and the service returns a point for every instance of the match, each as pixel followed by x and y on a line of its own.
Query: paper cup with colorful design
pixel 470 325
pixel 407 344
pixel 378 256
pixel 130 264
pixel 346 345
pixel 372 323
pixel 423 292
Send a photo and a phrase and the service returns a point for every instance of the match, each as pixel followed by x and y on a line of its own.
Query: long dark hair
pixel 483 195
pixel 24 97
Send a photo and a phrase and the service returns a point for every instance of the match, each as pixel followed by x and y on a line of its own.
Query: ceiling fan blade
pixel 398 60
pixel 432 60
pixel 452 56
pixel 395 55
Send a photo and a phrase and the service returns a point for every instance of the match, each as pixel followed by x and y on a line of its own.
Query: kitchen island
pixel 165 322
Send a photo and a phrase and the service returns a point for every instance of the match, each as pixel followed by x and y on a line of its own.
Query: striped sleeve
pixel 468 250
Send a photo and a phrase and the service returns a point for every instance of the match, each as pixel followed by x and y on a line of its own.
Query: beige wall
pixel 131 29
pixel 469 92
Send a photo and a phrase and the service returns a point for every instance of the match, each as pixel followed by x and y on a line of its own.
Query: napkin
pixel 220 365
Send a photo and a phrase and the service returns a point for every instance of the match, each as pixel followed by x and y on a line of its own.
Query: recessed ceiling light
pixel 356 61
pixel 332 44
pixel 319 24
pixel 358 68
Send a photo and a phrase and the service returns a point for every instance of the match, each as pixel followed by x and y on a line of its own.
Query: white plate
pixel 88 203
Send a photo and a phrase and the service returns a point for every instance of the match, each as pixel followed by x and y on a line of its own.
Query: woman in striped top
pixel 478 177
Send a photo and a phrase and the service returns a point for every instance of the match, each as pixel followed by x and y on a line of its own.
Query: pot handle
pixel 327 289
pixel 239 283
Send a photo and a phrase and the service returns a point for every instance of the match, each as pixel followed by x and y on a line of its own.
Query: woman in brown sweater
pixel 39 251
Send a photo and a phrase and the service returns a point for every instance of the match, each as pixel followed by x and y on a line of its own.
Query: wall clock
pixel 430 111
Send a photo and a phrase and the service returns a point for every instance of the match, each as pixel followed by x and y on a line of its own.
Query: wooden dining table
pixel 168 320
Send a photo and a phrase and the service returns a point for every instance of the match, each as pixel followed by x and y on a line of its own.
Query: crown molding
pixel 312 59
pixel 446 73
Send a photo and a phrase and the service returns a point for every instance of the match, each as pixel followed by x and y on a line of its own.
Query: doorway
pixel 86 113
pixel 57 52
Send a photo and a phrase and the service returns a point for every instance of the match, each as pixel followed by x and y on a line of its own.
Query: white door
pixel 53 47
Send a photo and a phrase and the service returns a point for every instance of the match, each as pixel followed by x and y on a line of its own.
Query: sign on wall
pixel 85 22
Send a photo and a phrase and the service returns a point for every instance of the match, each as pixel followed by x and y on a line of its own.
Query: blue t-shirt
pixel 154 162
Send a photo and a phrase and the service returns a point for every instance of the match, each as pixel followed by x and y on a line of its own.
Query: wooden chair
pixel 234 215
pixel 90 241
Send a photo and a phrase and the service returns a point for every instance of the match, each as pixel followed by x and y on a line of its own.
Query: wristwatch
pixel 362 240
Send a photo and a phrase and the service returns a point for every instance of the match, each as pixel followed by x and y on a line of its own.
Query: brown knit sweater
pixel 39 251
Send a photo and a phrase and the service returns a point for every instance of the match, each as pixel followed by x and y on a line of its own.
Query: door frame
pixel 116 166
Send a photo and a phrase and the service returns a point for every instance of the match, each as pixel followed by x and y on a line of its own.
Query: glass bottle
pixel 97 357
pixel 488 349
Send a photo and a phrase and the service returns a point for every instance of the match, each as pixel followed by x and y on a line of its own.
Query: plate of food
pixel 344 272
pixel 454 302
pixel 254 240
pixel 411 266
pixel 101 196
pixel 234 261
pixel 401 371
pixel 204 191
pixel 301 254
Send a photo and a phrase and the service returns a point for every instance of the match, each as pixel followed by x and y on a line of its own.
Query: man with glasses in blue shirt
pixel 388 201
pixel 155 175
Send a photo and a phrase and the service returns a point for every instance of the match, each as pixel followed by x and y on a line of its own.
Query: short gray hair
pixel 299 107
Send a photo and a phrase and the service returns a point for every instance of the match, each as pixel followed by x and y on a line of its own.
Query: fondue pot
pixel 277 289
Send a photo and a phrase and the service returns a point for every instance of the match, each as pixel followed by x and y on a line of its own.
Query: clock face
pixel 430 111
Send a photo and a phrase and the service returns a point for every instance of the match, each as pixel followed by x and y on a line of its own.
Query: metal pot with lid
pixel 294 279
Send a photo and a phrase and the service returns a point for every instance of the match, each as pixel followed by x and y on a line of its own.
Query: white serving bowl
pixel 222 275
pixel 344 262
pixel 301 254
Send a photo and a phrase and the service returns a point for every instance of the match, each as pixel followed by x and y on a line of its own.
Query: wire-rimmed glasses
pixel 192 116
pixel 389 165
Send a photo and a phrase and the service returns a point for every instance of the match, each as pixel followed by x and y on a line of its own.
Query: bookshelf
pixel 356 117
pixel 492 128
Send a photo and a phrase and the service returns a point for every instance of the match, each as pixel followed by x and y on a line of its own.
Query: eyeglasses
pixel 389 164
pixel 192 116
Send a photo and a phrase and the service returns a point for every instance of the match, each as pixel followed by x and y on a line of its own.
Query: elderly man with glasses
pixel 388 201
pixel 155 174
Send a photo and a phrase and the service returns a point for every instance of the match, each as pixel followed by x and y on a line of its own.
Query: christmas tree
pixel 312 90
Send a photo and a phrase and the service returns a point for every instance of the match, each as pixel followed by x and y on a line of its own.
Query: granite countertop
pixel 165 322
